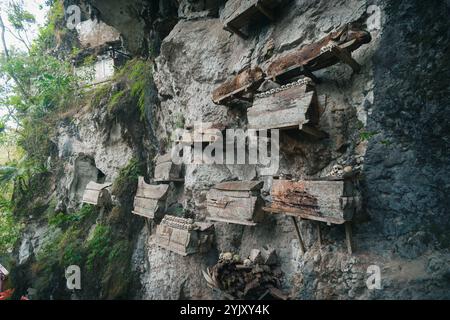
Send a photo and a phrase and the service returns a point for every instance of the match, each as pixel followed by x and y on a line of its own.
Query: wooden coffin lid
pixel 164 158
pixel 158 192
pixel 97 186
pixel 240 185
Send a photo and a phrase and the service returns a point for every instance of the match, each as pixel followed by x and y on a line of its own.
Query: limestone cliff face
pixel 389 119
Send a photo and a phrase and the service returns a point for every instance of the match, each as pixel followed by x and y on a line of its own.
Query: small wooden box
pixel 292 106
pixel 184 236
pixel 331 201
pixel 239 13
pixel 97 194
pixel 237 202
pixel 166 170
pixel 150 199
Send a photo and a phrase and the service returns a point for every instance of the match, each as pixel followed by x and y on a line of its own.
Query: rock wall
pixel 389 119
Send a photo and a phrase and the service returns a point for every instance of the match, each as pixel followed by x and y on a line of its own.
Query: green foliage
pixel 98 246
pixel 366 135
pixel 63 220
pixel 137 74
pixel 125 184
pixel 19 17
pixel 9 228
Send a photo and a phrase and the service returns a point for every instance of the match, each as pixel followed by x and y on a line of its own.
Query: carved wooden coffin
pixel 166 170
pixel 331 201
pixel 150 199
pixel 97 194
pixel 335 47
pixel 239 13
pixel 237 202
pixel 292 106
pixel 244 83
pixel 184 236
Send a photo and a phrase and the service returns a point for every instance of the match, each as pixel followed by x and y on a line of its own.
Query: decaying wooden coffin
pixel 240 87
pixel 330 50
pixel 331 201
pixel 206 132
pixel 239 13
pixel 97 194
pixel 166 170
pixel 237 202
pixel 184 236
pixel 292 106
pixel 150 199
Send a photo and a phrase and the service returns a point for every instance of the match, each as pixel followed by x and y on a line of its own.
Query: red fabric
pixel 6 294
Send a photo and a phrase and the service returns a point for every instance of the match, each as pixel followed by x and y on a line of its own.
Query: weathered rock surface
pixel 388 120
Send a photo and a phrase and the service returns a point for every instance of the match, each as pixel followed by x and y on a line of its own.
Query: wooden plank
pixel 241 209
pixel 151 191
pixel 240 185
pixel 298 213
pixel 323 199
pixel 146 203
pixel 232 221
pixel 348 237
pixel 164 158
pixel 265 11
pixel 285 117
pixel 299 235
pixel 167 171
pixel 91 196
pixel 143 213
pixel 97 186
pixel 346 58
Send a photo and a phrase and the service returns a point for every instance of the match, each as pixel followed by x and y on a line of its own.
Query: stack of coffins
pixel 97 194
pixel 184 236
pixel 237 202
pixel 333 201
pixel 149 201
pixel 291 106
pixel 256 277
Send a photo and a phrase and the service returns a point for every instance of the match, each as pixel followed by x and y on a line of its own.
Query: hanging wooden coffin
pixel 97 194
pixel 291 106
pixel 331 201
pixel 240 87
pixel 335 47
pixel 237 202
pixel 166 170
pixel 238 13
pixel 150 199
pixel 184 236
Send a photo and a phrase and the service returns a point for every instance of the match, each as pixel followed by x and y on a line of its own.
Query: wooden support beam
pixel 311 75
pixel 319 234
pixel 348 237
pixel 299 235
pixel 236 31
pixel 264 11
pixel 346 58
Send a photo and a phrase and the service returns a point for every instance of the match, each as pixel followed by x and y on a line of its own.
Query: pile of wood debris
pixel 256 277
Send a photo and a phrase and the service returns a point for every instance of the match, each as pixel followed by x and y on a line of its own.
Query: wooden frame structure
pixel 97 194
pixel 243 12
pixel 150 199
pixel 333 201
pixel 236 202
pixel 184 236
